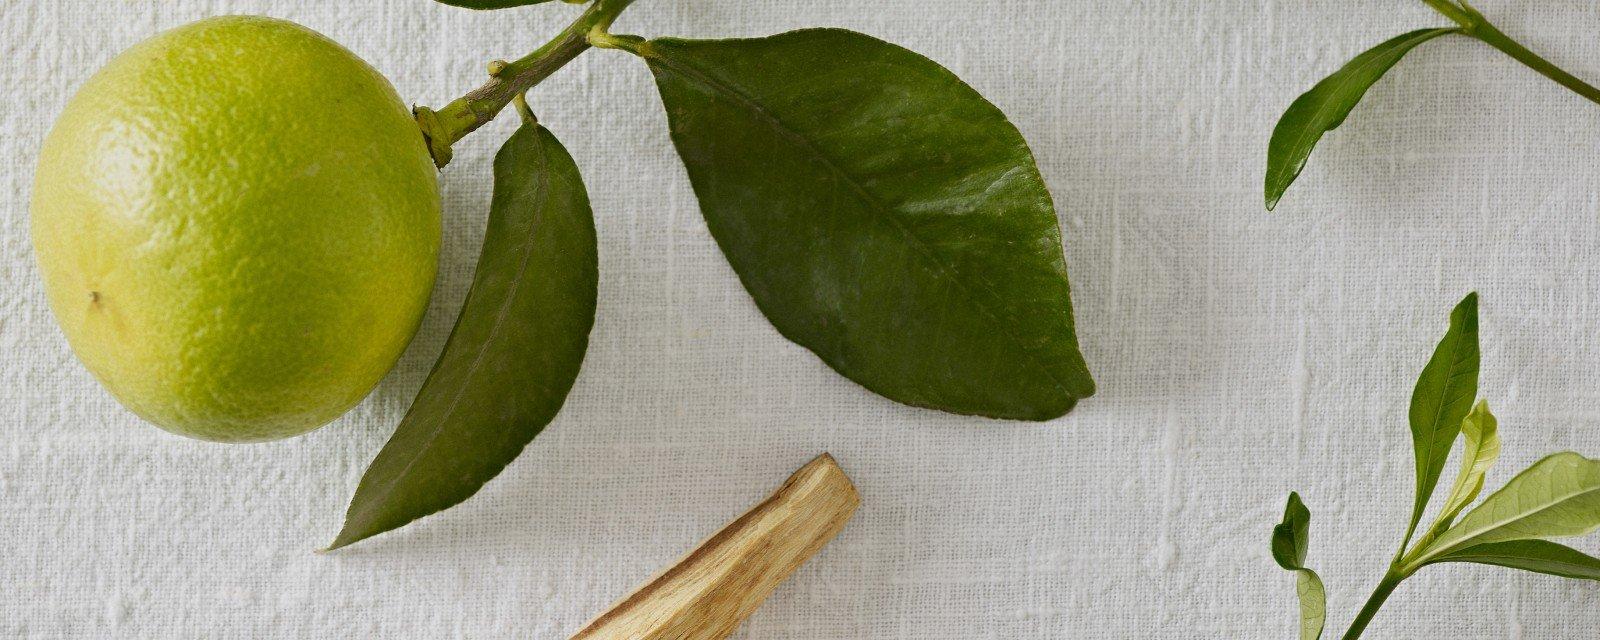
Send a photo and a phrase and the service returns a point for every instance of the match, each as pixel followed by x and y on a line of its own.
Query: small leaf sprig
pixel 936 280
pixel 1557 497
pixel 1325 106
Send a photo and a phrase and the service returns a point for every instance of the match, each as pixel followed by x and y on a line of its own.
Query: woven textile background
pixel 1239 354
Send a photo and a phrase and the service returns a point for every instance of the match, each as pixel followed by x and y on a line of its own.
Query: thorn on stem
pixel 496 68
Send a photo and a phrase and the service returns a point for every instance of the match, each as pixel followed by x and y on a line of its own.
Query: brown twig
pixel 708 593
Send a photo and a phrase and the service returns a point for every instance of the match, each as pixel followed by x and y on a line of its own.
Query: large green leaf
pixel 490 4
pixel 1442 399
pixel 1325 106
pixel 882 214
pixel 1557 497
pixel 1538 556
pixel 1290 539
pixel 1481 432
pixel 515 350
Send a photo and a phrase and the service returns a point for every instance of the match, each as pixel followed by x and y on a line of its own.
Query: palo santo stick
pixel 708 593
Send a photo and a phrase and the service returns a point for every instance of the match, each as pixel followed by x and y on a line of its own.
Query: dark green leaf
pixel 882 214
pixel 513 355
pixel 1290 539
pixel 1538 556
pixel 1442 399
pixel 490 4
pixel 1325 106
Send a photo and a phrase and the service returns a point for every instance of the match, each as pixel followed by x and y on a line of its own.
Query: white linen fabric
pixel 1239 354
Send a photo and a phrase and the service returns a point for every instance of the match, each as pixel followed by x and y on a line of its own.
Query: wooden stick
pixel 708 593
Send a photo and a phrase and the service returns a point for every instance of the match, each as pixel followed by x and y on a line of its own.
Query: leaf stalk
pixel 1381 594
pixel 1474 24
pixel 443 127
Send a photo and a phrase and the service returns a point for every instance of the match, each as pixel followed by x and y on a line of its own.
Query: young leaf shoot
pixel 1557 497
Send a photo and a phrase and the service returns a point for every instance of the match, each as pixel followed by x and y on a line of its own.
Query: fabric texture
pixel 1239 354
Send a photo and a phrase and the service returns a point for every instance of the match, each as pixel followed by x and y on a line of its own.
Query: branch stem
pixel 443 127
pixel 1368 611
pixel 1474 24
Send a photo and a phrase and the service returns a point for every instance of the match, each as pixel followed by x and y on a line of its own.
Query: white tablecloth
pixel 1239 354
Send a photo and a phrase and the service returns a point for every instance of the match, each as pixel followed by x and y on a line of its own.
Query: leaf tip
pixel 1061 408
pixel 1466 312
pixel 346 537
pixel 1295 509
pixel 1273 195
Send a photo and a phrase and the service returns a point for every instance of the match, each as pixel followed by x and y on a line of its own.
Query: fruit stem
pixel 454 121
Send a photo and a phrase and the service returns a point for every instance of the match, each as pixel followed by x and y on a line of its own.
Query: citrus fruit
pixel 237 224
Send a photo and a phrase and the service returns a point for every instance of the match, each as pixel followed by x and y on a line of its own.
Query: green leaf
pixel 1290 539
pixel 1538 556
pixel 490 4
pixel 1313 603
pixel 1325 106
pixel 513 355
pixel 1442 398
pixel 1557 497
pixel 882 214
pixel 1482 449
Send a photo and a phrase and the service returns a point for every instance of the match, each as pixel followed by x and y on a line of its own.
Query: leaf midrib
pixel 542 193
pixel 922 245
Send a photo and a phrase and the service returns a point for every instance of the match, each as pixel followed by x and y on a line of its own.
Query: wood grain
pixel 710 591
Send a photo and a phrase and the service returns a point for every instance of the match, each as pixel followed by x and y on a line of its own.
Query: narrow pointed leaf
pixel 1290 539
pixel 1325 106
pixel 882 213
pixel 1538 556
pixel 513 355
pixel 489 4
pixel 1442 399
pixel 1480 431
pixel 1557 497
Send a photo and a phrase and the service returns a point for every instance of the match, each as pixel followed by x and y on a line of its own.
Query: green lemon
pixel 237 222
